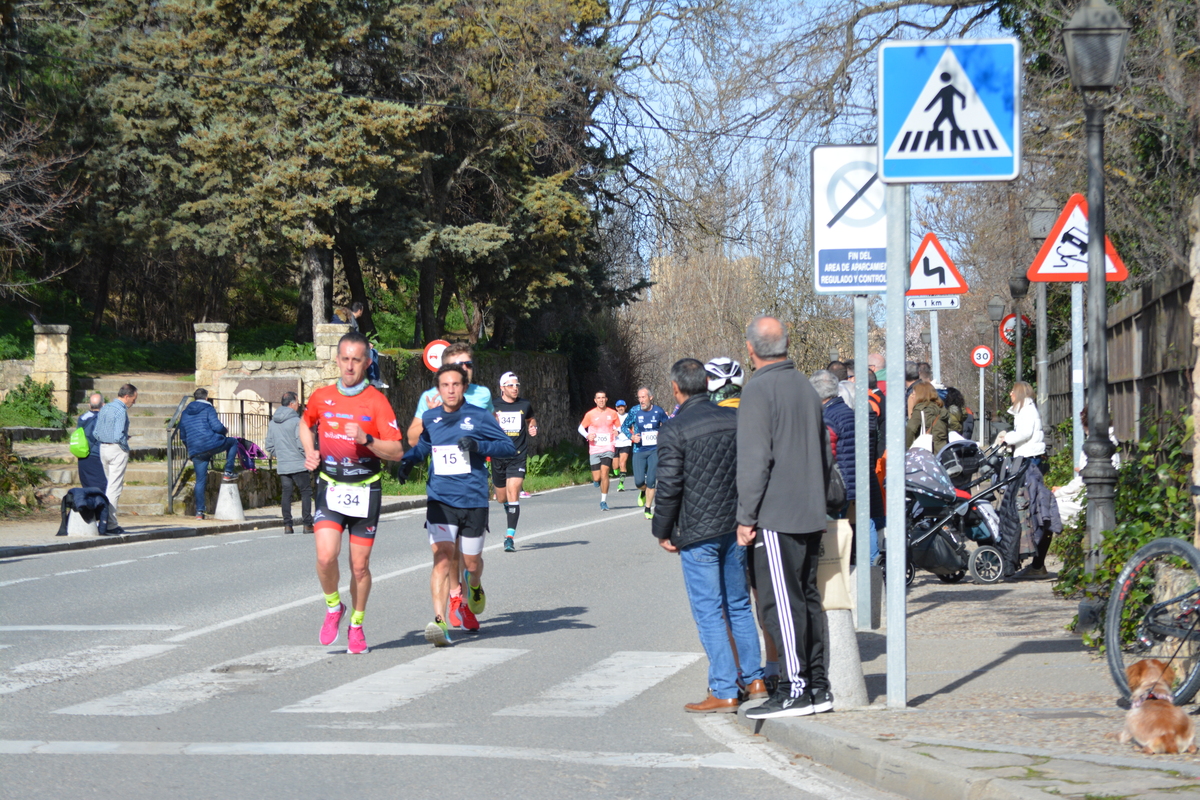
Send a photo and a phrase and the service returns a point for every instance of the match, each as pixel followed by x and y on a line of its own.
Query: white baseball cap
pixel 509 378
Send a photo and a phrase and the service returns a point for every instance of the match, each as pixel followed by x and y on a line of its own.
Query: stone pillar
pixel 212 351
pixel 326 337
pixel 52 361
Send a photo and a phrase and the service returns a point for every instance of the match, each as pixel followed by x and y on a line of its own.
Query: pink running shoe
pixel 333 618
pixel 357 642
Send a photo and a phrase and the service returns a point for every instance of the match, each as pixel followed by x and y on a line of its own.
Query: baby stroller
pixel 943 515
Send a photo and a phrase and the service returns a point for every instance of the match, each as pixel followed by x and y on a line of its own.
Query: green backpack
pixel 79 444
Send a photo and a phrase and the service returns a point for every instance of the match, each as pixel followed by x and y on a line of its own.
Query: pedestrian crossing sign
pixel 932 271
pixel 949 110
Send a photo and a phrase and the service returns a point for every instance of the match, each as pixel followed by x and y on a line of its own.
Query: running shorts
pixel 362 529
pixel 505 468
pixel 625 451
pixel 447 523
pixel 645 468
pixel 598 459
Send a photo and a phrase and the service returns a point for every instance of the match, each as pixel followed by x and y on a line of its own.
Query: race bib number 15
pixel 449 460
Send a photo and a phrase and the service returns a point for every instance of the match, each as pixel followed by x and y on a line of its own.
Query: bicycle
pixel 1154 612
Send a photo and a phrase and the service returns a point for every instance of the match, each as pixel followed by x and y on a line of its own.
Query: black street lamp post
pixel 995 309
pixel 1018 287
pixel 1095 40
pixel 1040 213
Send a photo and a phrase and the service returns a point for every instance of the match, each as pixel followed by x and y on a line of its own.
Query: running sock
pixel 513 512
pixel 357 617
pixel 511 532
pixel 457 591
pixel 604 497
pixel 332 600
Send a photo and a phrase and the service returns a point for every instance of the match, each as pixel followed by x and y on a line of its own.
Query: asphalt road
pixel 191 669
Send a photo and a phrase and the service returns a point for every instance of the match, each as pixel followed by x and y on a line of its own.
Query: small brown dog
pixel 1153 721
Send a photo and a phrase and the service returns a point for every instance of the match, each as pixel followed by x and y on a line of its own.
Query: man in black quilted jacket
pixel 696 516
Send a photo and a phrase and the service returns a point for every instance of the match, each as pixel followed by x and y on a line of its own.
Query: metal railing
pixel 251 426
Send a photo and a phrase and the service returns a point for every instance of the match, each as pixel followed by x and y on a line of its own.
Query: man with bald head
pixel 783 463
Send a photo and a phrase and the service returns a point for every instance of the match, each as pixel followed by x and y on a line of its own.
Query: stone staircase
pixel 145 492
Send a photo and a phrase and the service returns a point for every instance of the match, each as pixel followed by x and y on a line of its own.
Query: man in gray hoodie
pixel 283 443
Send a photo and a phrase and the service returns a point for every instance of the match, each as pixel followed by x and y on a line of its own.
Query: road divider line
pixel 376 579
pixel 82 628
pixel 615 680
pixel 440 752
pixel 193 688
pixel 404 683
pixel 73 665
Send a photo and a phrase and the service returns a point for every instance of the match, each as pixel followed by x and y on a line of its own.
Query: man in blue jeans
pixel 696 516
pixel 204 436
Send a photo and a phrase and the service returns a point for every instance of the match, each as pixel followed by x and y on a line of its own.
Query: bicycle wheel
pixel 1154 612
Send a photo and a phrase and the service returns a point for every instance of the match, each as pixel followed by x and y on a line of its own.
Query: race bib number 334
pixel 352 501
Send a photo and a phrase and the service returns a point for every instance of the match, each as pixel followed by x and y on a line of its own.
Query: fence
pixel 241 424
pixel 1150 359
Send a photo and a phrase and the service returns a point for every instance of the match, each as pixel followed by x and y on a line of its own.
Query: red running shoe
pixel 456 604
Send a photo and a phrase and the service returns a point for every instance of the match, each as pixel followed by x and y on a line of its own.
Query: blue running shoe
pixel 603 506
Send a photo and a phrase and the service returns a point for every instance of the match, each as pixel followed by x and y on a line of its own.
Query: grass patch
pixel 268 343
pixel 31 405
pixel 563 465
pixel 106 354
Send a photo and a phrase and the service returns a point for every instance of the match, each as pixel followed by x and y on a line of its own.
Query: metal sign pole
pixel 897 544
pixel 981 419
pixel 862 466
pixel 935 354
pixel 1077 373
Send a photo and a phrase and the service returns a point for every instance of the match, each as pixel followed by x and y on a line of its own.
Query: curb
pixel 884 767
pixel 181 532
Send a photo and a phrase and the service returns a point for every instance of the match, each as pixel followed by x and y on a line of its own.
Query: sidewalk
pixel 36 534
pixel 1002 703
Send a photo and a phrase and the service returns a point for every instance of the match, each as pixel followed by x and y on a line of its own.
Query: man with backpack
pixel 85 447
pixel 204 435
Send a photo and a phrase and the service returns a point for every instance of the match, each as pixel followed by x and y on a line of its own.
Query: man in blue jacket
pixel 459 437
pixel 204 436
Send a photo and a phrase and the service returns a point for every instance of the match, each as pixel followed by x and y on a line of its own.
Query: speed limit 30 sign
pixel 981 356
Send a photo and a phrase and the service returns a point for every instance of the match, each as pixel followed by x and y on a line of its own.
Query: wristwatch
pixel 370 440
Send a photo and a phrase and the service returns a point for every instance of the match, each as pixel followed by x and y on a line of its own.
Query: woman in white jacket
pixel 1027 441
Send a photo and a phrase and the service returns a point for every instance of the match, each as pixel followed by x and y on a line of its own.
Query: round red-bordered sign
pixel 1008 329
pixel 982 356
pixel 433 354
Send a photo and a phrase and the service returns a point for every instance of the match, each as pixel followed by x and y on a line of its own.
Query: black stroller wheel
pixel 910 572
pixel 986 565
pixel 954 577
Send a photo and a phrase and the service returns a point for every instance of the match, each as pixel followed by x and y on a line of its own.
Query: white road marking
pixel 72 572
pixel 207 547
pixel 404 683
pixel 274 536
pixel 19 580
pixel 765 756
pixel 376 579
pixel 618 678
pixel 239 541
pixel 160 555
pixel 398 749
pixel 117 563
pixel 73 665
pixel 78 628
pixel 182 691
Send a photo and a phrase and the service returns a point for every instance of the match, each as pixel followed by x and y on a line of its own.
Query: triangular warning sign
pixel 932 271
pixel 1063 256
pixel 949 120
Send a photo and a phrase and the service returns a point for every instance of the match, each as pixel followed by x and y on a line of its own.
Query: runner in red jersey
pixel 356 428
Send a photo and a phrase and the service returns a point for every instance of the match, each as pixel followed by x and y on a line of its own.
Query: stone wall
pixel 52 361
pixel 259 489
pixel 12 373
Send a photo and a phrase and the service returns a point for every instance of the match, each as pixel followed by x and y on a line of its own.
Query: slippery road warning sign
pixel 932 271
pixel 1063 256
pixel 949 110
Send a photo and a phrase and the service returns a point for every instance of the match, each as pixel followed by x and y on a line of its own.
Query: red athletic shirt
pixel 330 410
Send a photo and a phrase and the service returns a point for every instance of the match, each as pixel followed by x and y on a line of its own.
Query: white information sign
pixel 849 223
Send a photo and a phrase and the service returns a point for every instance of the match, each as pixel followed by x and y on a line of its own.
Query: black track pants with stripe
pixel 785 575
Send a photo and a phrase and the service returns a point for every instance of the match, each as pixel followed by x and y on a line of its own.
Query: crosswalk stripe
pixel 717 760
pixel 73 665
pixel 618 678
pixel 404 683
pixel 182 691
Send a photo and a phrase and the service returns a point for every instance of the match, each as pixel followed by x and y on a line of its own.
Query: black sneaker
pixel 822 700
pixel 779 705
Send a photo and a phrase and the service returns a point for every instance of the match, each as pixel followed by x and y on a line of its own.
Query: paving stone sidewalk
pixel 1003 702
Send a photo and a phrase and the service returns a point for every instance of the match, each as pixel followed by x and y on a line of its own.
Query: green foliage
pixel 1153 501
pixel 1061 468
pixel 17 480
pixel 107 354
pixel 12 348
pixel 31 404
pixel 565 458
pixel 269 343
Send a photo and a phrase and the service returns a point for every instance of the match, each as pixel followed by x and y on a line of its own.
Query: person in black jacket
pixel 696 516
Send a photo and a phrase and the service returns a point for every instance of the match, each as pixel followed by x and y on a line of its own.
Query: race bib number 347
pixel 449 460
pixel 352 501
